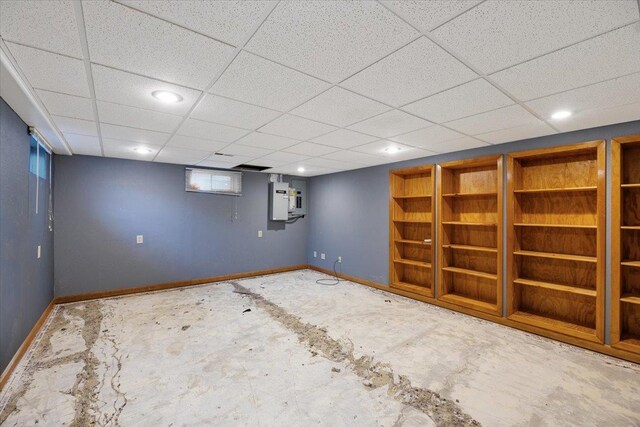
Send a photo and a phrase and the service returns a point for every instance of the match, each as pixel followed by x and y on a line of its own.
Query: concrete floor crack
pixel 373 374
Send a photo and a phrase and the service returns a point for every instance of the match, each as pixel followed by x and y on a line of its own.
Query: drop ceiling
pixel 327 86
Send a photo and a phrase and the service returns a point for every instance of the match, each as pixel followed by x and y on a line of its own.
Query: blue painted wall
pixel 349 211
pixel 102 204
pixel 26 283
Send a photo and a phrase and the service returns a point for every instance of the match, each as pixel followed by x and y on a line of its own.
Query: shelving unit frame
pixel 411 221
pixel 470 233
pixel 625 243
pixel 556 239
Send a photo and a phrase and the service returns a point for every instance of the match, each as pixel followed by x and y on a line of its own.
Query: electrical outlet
pixel 259 233
pixel 339 260
pixel 139 239
pixel 315 254
pixel 322 255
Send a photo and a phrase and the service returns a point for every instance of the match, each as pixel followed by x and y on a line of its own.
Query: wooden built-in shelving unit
pixel 556 239
pixel 470 234
pixel 625 243
pixel 411 229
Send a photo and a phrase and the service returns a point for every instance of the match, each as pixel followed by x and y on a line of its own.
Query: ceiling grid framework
pixel 321 86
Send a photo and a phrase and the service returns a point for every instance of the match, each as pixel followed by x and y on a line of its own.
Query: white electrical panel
pixel 278 201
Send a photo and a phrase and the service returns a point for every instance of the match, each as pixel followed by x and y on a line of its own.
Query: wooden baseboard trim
pixel 17 357
pixel 593 346
pixel 173 285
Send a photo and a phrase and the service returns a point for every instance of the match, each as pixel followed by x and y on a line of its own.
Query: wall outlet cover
pixel 322 255
pixel 139 239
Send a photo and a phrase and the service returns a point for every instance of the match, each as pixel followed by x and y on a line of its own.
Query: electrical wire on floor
pixel 331 282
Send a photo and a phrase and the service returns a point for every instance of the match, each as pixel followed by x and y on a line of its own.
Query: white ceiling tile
pixel 232 160
pixel 228 21
pixel 427 15
pixel 43 24
pixel 465 100
pixel 213 131
pixel 76 126
pixel 264 140
pixel 129 150
pixel 502 118
pixel 423 137
pixel 258 81
pixel 233 113
pixel 344 138
pixel 215 164
pixel 296 127
pixel 385 148
pixel 293 170
pixel 339 107
pixel 516 31
pixel 310 149
pixel 141 136
pixel 330 40
pixel 391 123
pixel 320 162
pixel 600 96
pixel 602 58
pixel 52 72
pixel 281 156
pixel 123 38
pixel 180 156
pixel 413 72
pixel 353 157
pixel 597 116
pixel 196 143
pixel 131 89
pixel 83 144
pixel 60 104
pixel 245 150
pixel 458 144
pixel 123 115
pixel 526 131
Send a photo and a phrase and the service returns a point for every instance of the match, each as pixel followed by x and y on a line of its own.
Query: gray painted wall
pixel 102 204
pixel 26 283
pixel 349 211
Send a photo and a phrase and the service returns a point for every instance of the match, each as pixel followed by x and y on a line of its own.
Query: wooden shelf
pixel 475 304
pixel 413 242
pixel 562 291
pixel 556 287
pixel 631 299
pixel 413 262
pixel 630 263
pixel 481 194
pixel 470 272
pixel 419 196
pixel 630 185
pixel 413 288
pixel 523 224
pixel 565 257
pixel 471 248
pixel 557 190
pixel 555 325
pixel 470 224
pixel 410 258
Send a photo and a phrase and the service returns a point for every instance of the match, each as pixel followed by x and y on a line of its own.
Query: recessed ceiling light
pixel 392 149
pixel 166 96
pixel 142 150
pixel 301 169
pixel 562 114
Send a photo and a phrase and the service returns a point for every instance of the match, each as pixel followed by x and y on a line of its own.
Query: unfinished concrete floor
pixel 304 354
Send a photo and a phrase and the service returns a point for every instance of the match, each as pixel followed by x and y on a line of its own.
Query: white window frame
pixel 236 179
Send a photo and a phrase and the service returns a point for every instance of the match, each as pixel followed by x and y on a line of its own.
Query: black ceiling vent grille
pixel 251 168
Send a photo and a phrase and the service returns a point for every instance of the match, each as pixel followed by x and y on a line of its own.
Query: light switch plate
pixel 39 251
pixel 322 255
pixel 139 239
pixel 259 233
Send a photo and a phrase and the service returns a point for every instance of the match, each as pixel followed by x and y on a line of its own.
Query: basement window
pixel 213 181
